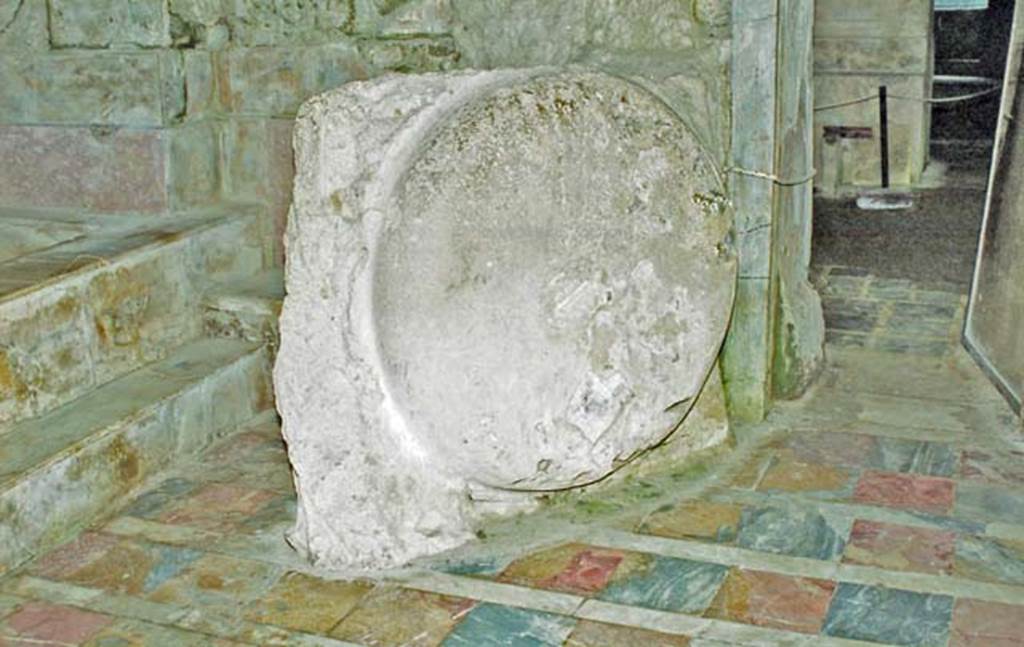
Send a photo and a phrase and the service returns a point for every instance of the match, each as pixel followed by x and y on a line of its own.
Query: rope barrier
pixel 932 100
pixel 773 178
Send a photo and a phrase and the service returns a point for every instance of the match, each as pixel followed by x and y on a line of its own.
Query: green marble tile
pixel 910 456
pixel 987 502
pixel 668 584
pixel 890 616
pixel 493 625
pixel 790 532
pixel 990 560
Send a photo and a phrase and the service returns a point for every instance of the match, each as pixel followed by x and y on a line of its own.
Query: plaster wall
pixel 859 46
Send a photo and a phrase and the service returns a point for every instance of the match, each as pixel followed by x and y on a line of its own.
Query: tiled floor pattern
pixel 887 507
pixel 887 314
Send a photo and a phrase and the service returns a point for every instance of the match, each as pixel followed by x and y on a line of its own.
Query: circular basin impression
pixel 549 287
pixel 535 278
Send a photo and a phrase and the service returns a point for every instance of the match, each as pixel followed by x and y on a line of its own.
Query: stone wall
pixel 859 46
pixel 158 105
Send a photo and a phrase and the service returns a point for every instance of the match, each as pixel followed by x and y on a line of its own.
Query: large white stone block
pixel 498 283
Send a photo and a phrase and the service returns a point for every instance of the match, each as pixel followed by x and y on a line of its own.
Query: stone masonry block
pixel 109 23
pixel 274 81
pixel 84 87
pixel 530 32
pixel 638 25
pixel 23 25
pixel 83 168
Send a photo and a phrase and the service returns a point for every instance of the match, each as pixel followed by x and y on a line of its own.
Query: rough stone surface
pixel 105 23
pixel 498 283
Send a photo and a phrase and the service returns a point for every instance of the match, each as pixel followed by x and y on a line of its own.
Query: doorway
pixel 898 280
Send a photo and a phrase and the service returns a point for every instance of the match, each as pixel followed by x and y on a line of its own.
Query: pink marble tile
pixel 588 572
pixel 773 600
pixel 986 624
pixel 50 624
pixel 907 491
pixel 218 507
pixel 85 549
pixel 901 548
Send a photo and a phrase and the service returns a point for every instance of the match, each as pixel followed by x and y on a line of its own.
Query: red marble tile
pixel 573 568
pixel 773 600
pixel 87 548
pixel 588 572
pixel 986 624
pixel 51 624
pixel 901 548
pixel 218 506
pixel 907 491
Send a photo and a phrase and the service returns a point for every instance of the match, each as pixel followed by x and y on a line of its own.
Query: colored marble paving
pixel 668 584
pixel 987 624
pixel 773 600
pixel 852 526
pixel 889 616
pixel 921 493
pixel 599 634
pixel 492 624
pixel 703 520
pixel 795 533
pixel 900 548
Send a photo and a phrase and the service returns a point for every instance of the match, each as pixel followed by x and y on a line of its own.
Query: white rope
pixel 900 97
pixel 843 104
pixel 773 178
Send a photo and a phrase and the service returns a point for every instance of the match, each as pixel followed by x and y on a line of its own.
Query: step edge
pixel 100 433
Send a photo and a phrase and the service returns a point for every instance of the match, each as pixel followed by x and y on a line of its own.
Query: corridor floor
pixel 885 507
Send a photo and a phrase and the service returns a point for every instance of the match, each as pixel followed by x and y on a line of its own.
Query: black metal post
pixel 883 129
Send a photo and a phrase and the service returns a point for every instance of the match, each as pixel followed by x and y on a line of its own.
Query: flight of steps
pixel 112 364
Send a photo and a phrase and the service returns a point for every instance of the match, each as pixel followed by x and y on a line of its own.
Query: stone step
pixel 60 471
pixel 245 307
pixel 85 299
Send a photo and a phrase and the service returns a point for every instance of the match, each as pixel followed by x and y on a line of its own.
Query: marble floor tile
pixel 889 616
pixel 668 584
pixel 797 533
pixel 118 565
pixel 773 600
pixel 42 623
pixel 900 548
pixel 987 624
pixel 153 502
pixel 705 520
pixel 220 581
pixel 570 568
pixel 789 475
pixel 906 491
pixel 1003 468
pixel 136 633
pixel 989 502
pixel 913 456
pixel 217 507
pixel 395 616
pixel 306 603
pixel 598 634
pixel 990 560
pixel 493 625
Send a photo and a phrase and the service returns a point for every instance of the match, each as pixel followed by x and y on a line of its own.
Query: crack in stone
pixel 14 17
